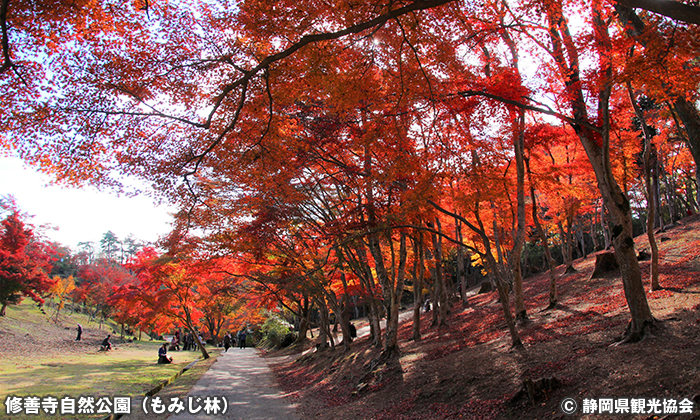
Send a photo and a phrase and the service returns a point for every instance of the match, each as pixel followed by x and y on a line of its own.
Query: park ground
pixel 467 369
pixel 40 357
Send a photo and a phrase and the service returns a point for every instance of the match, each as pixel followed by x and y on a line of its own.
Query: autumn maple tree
pixel 340 151
pixel 24 264
pixel 61 291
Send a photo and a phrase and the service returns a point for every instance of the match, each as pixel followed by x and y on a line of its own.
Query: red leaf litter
pixel 467 368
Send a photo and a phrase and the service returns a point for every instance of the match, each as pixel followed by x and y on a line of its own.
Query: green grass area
pixel 78 369
pixel 128 370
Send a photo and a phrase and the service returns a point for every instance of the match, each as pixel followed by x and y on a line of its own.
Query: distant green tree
pixel 86 253
pixel 111 247
pixel 131 246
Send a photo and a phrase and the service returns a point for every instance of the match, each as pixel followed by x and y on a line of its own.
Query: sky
pixel 80 215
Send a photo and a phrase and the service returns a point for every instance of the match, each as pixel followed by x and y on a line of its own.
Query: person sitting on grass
pixel 175 344
pixel 163 355
pixel 106 345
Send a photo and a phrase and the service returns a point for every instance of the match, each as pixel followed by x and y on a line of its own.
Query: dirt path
pixel 245 380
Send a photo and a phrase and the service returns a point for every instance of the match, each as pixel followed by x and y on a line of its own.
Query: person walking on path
pixel 241 339
pixel 80 332
pixel 227 342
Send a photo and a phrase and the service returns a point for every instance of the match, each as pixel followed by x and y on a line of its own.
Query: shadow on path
pixel 245 380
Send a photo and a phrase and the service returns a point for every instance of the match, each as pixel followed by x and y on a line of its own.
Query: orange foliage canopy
pixel 305 140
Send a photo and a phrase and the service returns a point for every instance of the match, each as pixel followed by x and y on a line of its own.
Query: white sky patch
pixel 81 215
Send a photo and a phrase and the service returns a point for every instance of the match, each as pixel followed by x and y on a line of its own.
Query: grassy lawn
pixel 128 370
pixel 66 368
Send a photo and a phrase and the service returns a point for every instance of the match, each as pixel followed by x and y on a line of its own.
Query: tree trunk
pixel 444 290
pixel 345 323
pixel 325 338
pixel 690 118
pixel 364 272
pixel 596 145
pixel 604 228
pixel 581 233
pixel 345 312
pixel 670 193
pixel 391 345
pixel 461 277
pixel 655 174
pixel 651 205
pixel 516 253
pixel 594 233
pixel 503 297
pixel 433 287
pixel 567 250
pixel 553 298
pixel 675 10
pixel 418 248
pixel 337 320
pixel 690 197
pixel 497 237
pixel 519 149
pixel 375 327
pixel 195 335
pixel 382 275
pixel 304 310
pixel 439 303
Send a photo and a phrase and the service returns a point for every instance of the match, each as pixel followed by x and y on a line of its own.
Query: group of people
pixel 189 343
pixel 231 341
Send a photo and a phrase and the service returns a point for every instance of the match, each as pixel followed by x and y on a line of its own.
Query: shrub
pixel 276 333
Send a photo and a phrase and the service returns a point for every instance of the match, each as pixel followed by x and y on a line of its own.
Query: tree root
pixel 518 344
pixel 521 318
pixel 388 355
pixel 387 363
pixel 536 390
pixel 632 335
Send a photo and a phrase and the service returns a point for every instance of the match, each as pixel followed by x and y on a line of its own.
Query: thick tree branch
pixel 669 8
pixel 541 109
pixel 326 36
pixel 6 61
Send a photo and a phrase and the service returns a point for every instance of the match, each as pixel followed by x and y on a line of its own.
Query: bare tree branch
pixel 542 108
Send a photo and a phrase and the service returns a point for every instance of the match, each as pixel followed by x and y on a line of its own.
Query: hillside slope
pixel 28 334
pixel 468 370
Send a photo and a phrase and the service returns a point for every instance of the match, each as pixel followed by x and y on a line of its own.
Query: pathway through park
pixel 245 380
